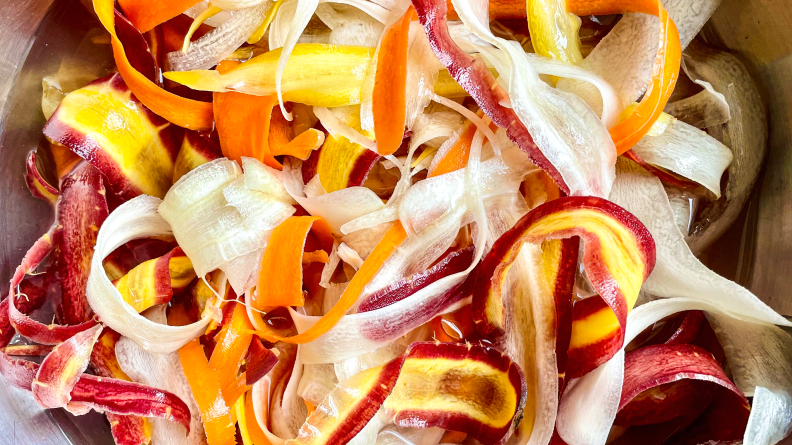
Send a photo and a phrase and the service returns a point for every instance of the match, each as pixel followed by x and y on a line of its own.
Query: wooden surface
pixel 760 31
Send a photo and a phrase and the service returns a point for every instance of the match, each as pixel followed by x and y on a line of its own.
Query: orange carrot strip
pixel 178 110
pixel 235 390
pixel 303 145
pixel 281 277
pixel 233 341
pixel 457 156
pixel 215 414
pixel 254 431
pixel 318 256
pixel 146 14
pixel 607 7
pixel 243 123
pixel 388 100
pixel 393 238
pixel 281 132
pixel 665 71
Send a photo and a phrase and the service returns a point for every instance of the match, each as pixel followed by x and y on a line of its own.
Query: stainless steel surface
pixel 33 38
pixel 35 34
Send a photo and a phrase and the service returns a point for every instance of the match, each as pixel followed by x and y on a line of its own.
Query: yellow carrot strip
pixel 388 100
pixel 208 13
pixel 554 31
pixel 393 238
pixel 317 74
pixel 259 33
pixel 178 110
pixel 239 411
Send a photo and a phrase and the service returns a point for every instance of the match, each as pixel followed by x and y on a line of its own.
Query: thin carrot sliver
pixel 233 341
pixel 243 123
pixel 146 14
pixel 393 238
pixel 254 431
pixel 303 145
pixel 187 113
pixel 665 71
pixel 388 99
pixel 281 277
pixel 457 156
pixel 215 414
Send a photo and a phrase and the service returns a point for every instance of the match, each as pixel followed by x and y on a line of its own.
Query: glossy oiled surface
pixel 758 29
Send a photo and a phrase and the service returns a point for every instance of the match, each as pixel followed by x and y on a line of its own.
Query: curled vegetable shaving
pixel 620 255
pixel 146 14
pixel 82 208
pixel 61 369
pixel 554 31
pixel 234 113
pixel 385 248
pixel 316 74
pixel 468 388
pixel 186 113
pixel 106 125
pixel 341 163
pixel 473 75
pixel 281 276
pixel 221 42
pixel 38 186
pixel 104 394
pixel 134 219
pixel 215 413
pixel 155 281
pixel 665 71
pixel 388 100
pixel 677 383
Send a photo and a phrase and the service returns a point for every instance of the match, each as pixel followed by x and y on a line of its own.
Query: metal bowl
pixel 35 35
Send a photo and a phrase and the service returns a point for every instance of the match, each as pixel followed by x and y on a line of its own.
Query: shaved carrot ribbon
pixel 303 145
pixel 457 156
pixel 178 110
pixel 281 278
pixel 388 100
pixel 393 238
pixel 146 14
pixel 215 413
pixel 665 71
pixel 250 426
pixel 243 123
pixel 232 344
